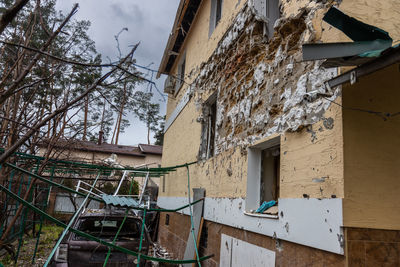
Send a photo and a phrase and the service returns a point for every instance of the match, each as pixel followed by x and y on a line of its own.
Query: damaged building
pixel 290 110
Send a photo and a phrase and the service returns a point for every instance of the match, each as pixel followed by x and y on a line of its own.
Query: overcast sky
pixel 148 21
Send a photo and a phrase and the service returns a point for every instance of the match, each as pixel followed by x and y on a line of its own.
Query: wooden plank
pixel 198 239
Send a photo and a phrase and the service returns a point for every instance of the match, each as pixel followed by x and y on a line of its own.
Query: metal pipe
pixel 144 187
pixel 120 183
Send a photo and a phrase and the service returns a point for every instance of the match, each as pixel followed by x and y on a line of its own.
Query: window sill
pixel 260 215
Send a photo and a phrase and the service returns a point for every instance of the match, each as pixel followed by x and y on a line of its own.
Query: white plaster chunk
pixel 289 68
pixel 279 56
pixel 259 73
pixel 286 94
pixel 318 76
pixel 261 119
pixel 299 93
pixel 220 115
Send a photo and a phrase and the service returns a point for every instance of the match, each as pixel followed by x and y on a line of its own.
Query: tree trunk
pixel 85 118
pixel 120 113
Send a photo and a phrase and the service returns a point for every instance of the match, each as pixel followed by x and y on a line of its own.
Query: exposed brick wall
pixel 174 237
pixel 263 85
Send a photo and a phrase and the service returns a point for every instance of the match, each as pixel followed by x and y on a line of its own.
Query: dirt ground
pixel 48 238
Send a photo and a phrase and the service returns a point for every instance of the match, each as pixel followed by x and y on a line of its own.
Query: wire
pixel 156 71
pixel 382 115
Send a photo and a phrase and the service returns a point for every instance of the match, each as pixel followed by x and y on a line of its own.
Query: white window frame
pixel 213 15
pixel 180 77
pixel 268 10
pixel 254 161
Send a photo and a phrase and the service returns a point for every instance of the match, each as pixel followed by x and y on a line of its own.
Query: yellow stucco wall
pixel 311 153
pixel 199 46
pixel 316 152
pixel 224 175
pixel 371 151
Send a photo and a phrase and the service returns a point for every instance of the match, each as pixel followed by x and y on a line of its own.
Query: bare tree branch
pixel 73 62
pixel 62 109
pixel 25 72
pixel 11 13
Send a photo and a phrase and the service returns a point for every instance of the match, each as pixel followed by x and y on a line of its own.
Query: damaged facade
pixel 263 125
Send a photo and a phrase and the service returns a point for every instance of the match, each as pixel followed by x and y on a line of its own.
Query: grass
pixel 48 238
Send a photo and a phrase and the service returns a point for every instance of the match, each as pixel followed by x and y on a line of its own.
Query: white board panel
pixel 181 105
pixel 238 253
pixel 311 222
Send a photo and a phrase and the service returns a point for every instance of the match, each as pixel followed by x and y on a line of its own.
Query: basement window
pixel 207 147
pixel 215 15
pixel 263 175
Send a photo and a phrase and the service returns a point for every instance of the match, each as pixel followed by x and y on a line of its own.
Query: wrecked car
pixel 77 251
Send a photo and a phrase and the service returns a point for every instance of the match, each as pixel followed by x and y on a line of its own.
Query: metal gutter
pixel 389 57
pixel 345 49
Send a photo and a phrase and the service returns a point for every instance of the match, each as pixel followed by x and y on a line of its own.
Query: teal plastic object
pixel 266 205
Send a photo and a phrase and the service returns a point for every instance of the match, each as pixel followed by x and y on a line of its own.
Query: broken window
pixel 218 11
pixel 269 11
pixel 263 174
pixel 215 15
pixel 207 147
pixel 180 77
pixel 106 228
pixel 270 166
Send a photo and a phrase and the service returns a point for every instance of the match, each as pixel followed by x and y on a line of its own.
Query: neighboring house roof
pixel 185 15
pixel 151 149
pixel 107 148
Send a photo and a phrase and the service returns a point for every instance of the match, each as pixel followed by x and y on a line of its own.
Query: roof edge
pixel 180 13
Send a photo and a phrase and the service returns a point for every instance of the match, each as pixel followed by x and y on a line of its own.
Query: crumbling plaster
pixel 263 89
pixel 201 41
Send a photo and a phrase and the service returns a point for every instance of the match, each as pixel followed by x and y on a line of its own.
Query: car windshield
pixel 107 228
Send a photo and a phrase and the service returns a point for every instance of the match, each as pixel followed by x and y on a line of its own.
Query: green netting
pixel 56 167
pixel 93 238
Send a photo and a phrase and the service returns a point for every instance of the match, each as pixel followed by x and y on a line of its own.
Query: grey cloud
pixel 148 21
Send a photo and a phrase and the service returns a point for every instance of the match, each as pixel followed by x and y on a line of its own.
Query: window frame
pixel 269 11
pixel 216 12
pixel 272 13
pixel 208 133
pixel 254 167
pixel 180 74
